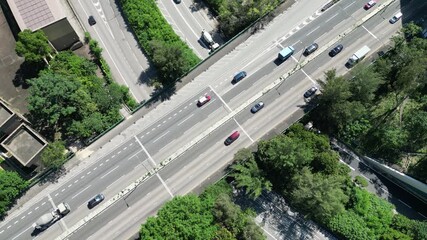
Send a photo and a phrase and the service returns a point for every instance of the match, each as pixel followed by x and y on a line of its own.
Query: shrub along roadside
pixel 169 54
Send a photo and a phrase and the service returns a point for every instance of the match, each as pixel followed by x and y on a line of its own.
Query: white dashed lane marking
pixel 70 185
pixel 88 172
pixel 43 203
pixel 30 212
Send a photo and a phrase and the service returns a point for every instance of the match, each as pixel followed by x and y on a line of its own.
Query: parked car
pixel 239 76
pixel 203 100
pixel 91 20
pixel 235 135
pixel 396 18
pixel 257 107
pixel 310 49
pixel 95 201
pixel 310 92
pixel 370 4
pixel 337 49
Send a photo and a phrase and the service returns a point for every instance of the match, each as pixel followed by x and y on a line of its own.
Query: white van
pixel 396 17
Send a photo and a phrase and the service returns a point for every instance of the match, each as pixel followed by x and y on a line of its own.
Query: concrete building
pixel 45 15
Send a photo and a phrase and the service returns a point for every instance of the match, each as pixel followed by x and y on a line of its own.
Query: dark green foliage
pixel 318 196
pixel 235 15
pixel 171 56
pixel 412 228
pixel 238 223
pixel 185 217
pixel 359 180
pixel 213 215
pixel 349 225
pixel 53 156
pixel 248 176
pixel 34 47
pixel 11 185
pixel 68 98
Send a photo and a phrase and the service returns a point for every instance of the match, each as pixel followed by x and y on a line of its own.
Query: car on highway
pixel 310 49
pixel 95 200
pixel 203 100
pixel 239 76
pixel 310 92
pixel 396 18
pixel 177 1
pixel 91 20
pixel 370 4
pixel 337 49
pixel 257 107
pixel 233 137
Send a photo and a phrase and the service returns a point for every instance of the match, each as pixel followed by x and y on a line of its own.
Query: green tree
pixel 248 176
pixel 51 101
pixel 281 157
pixel 349 225
pixel 11 185
pixel 318 196
pixel 239 223
pixel 33 46
pixel 53 156
pixel 185 217
pixel 364 84
pixel 415 123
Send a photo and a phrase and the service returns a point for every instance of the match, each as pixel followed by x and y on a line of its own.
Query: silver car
pixel 257 107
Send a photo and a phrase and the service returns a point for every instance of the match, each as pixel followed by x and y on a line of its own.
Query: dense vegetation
pixel 169 54
pixel 68 100
pixel 382 110
pixel 213 215
pixel 236 15
pixel 302 167
pixel 11 185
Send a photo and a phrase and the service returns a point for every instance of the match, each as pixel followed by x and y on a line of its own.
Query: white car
pixel 203 100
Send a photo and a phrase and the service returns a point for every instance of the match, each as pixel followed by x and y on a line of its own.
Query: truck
pixel 206 36
pixel 50 218
pixel 286 53
pixel 358 56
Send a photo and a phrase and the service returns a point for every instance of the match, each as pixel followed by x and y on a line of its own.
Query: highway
pixel 175 123
pixel 128 64
pixel 188 19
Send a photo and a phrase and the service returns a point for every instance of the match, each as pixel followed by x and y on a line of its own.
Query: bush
pixel 359 180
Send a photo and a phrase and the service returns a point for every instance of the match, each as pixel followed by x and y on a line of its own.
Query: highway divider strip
pixel 207 132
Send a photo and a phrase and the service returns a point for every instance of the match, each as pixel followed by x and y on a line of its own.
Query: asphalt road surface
pixel 178 122
pixel 128 65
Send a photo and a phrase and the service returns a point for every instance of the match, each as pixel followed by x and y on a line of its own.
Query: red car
pixel 235 135
pixel 203 100
pixel 370 4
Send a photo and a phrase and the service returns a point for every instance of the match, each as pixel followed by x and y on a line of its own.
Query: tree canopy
pixel 11 185
pixel 53 156
pixel 33 46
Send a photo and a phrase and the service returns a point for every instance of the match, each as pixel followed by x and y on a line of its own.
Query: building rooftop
pixel 35 14
pixel 24 144
pixel 5 113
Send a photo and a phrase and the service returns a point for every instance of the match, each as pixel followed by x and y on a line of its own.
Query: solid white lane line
pixel 220 98
pixel 22 232
pixel 240 126
pixel 311 79
pixel 422 215
pixel 81 191
pixel 312 31
pixel 329 19
pixel 164 184
pixel 164 134
pixel 146 152
pixel 370 33
pixel 185 119
pixel 110 171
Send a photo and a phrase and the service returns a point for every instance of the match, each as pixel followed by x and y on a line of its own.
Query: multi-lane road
pixel 175 124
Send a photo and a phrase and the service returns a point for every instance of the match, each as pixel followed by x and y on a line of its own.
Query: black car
pixel 177 1
pixel 336 50
pixel 95 201
pixel 91 20
pixel 257 107
pixel 310 92
pixel 310 49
